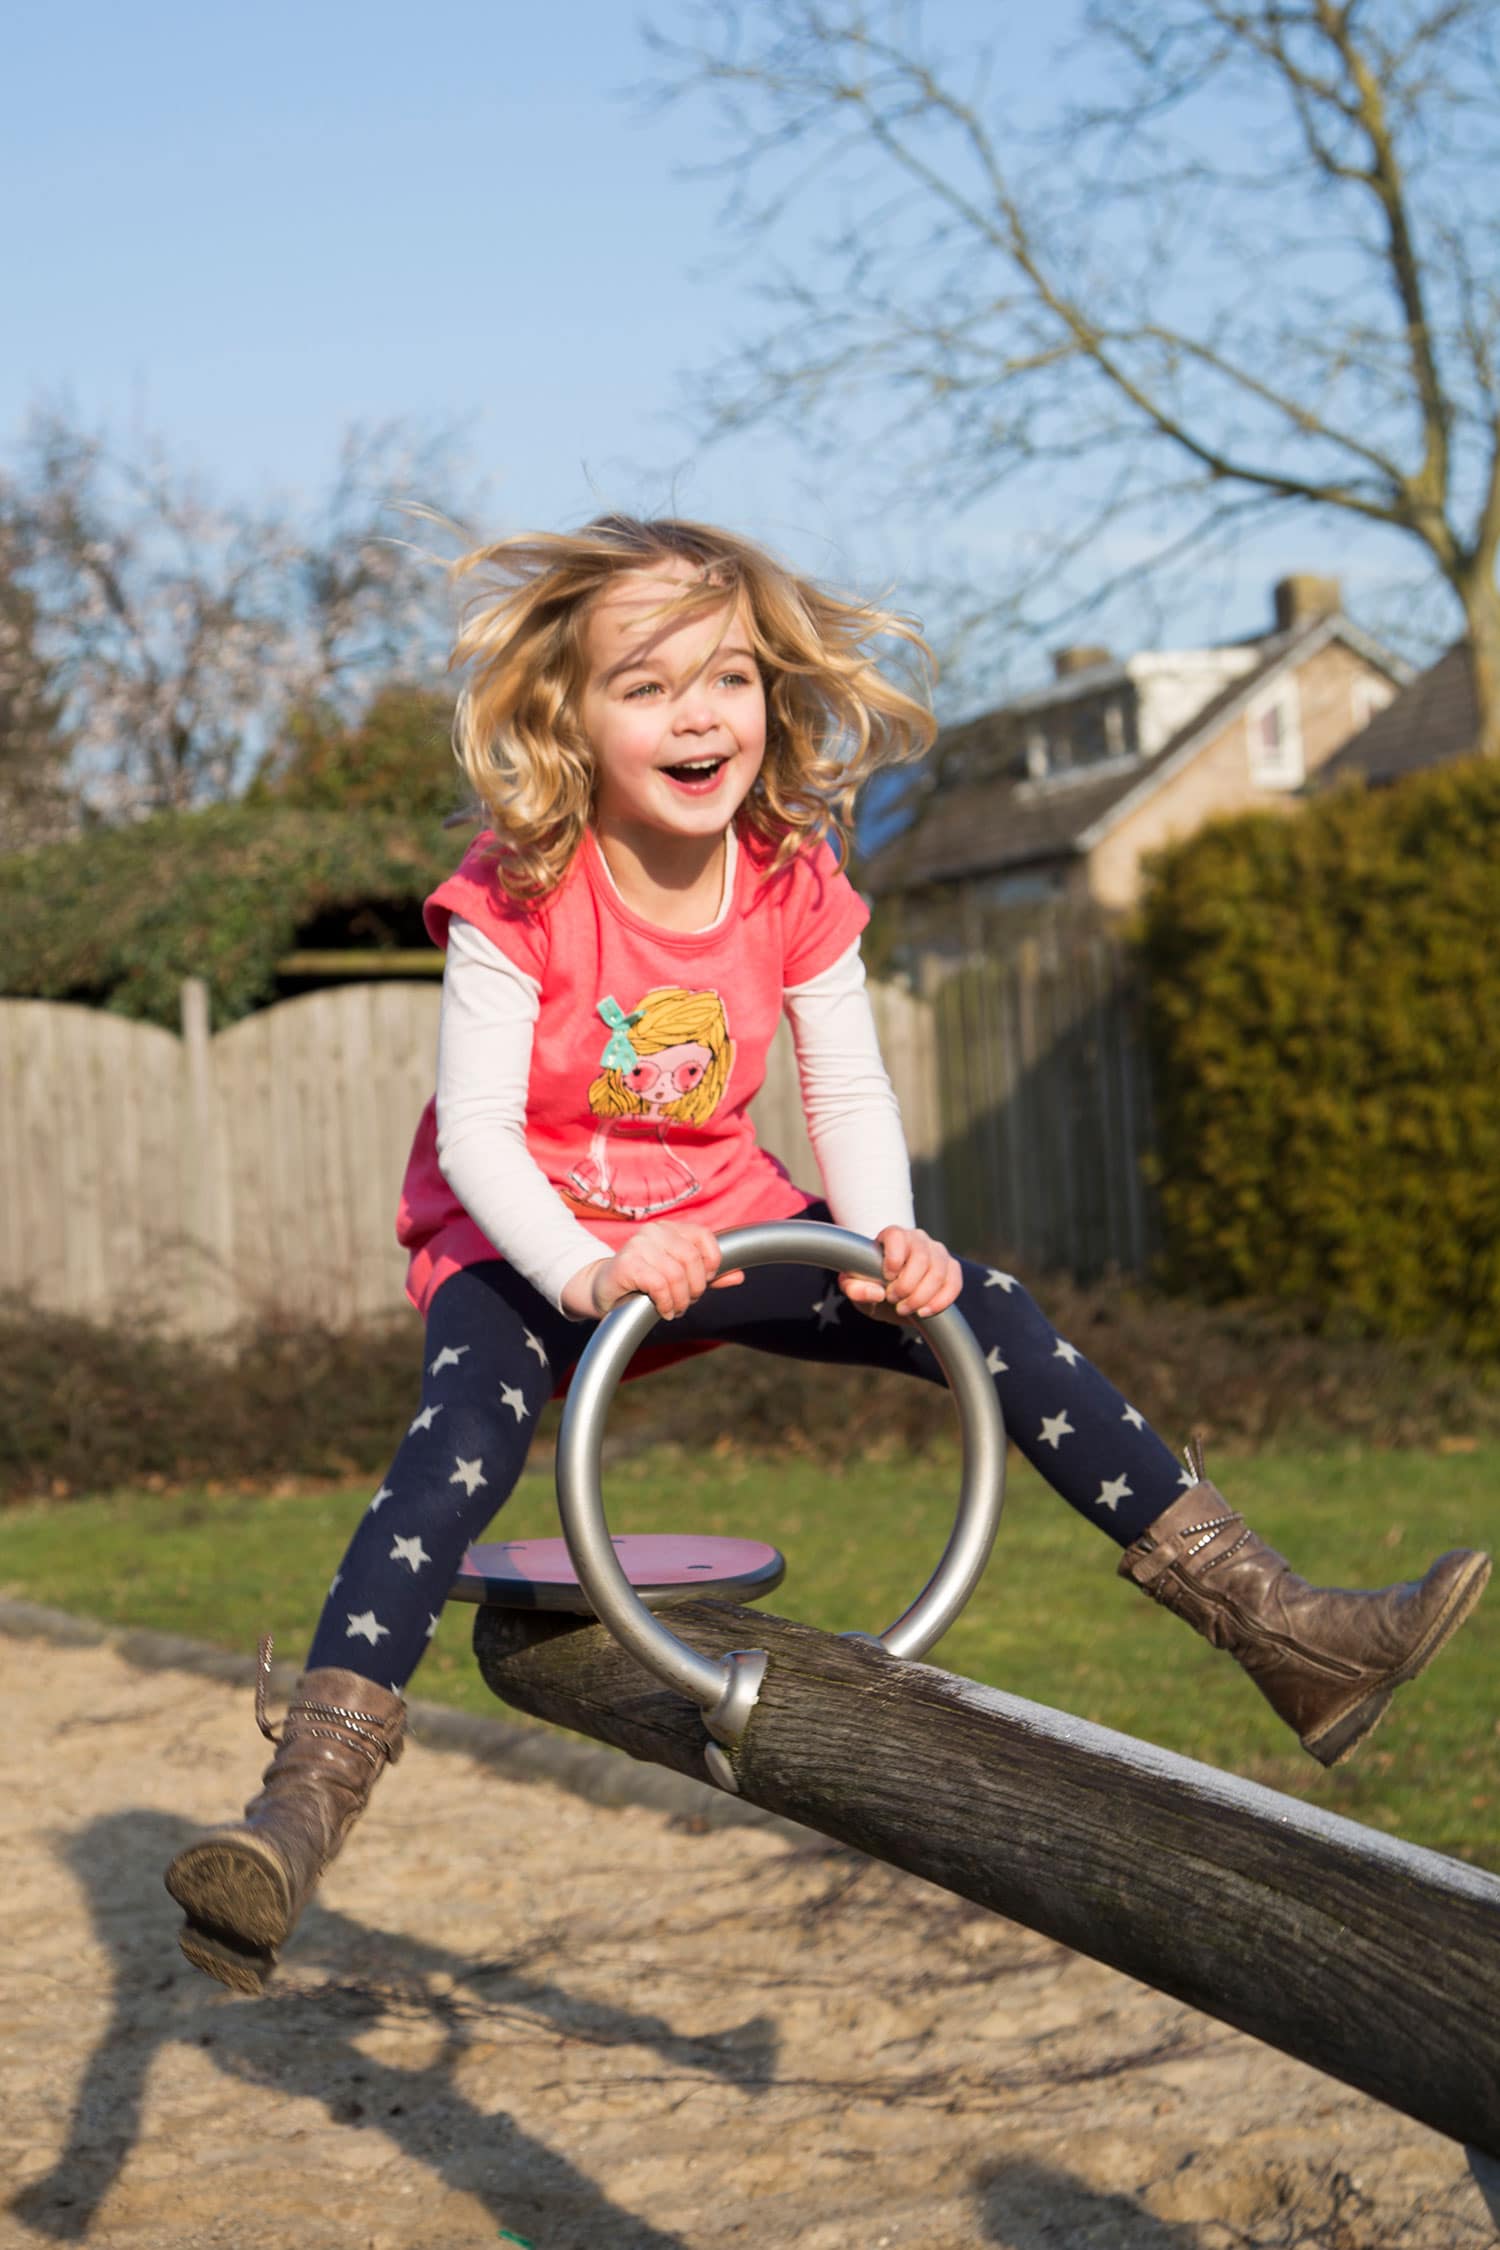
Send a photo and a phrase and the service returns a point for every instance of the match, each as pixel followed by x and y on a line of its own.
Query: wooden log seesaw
pixel 1370 1958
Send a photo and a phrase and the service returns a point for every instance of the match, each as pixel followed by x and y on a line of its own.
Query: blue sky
pixel 246 229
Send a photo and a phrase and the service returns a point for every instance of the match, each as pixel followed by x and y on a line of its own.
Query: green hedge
pixel 118 918
pixel 1325 1019
pixel 88 1408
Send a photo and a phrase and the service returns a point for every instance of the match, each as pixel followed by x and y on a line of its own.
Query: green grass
pixel 1052 1621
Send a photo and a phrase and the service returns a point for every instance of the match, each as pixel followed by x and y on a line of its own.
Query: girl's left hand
pixel 921 1276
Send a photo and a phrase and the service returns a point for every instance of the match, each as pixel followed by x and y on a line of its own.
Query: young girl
pixel 665 726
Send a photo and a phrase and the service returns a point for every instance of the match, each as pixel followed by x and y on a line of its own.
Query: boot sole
pixel 235 1887
pixel 244 1969
pixel 1344 1734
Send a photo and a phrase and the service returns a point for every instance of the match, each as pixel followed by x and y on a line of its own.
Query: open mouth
pixel 696 773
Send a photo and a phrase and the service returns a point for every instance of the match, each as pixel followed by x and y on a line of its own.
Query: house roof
pixel 1433 719
pixel 1012 821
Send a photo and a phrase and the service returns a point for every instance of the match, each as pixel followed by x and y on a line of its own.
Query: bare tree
pixel 36 803
pixel 1249 264
pixel 368 596
pixel 179 631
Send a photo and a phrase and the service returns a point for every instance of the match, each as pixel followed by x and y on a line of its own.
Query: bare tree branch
pixel 1235 258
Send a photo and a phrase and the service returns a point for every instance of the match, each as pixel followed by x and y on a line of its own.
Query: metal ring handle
pixel 799 1242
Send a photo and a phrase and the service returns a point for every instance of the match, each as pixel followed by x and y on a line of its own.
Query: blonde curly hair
pixel 832 716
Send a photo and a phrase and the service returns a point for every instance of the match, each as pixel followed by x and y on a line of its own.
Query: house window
pixel 1088 734
pixel 1027 887
pixel 1273 726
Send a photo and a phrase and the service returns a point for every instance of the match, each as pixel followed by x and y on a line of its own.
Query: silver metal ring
pixel 719 1687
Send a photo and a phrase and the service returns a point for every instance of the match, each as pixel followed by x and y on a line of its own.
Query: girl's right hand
pixel 669 1262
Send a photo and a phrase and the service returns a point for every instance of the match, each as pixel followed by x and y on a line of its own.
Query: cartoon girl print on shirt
pixel 666 1062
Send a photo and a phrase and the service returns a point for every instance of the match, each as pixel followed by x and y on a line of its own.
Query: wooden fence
pixel 199 1181
pixel 1045 1100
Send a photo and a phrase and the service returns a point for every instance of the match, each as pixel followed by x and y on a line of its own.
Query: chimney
pixel 1067 661
pixel 1303 597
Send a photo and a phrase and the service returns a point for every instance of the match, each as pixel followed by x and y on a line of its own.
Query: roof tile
pixel 1434 719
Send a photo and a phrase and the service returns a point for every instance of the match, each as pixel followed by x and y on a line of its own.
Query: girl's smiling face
pixel 674 711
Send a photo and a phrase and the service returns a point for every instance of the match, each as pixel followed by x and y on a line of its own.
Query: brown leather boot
pixel 1326 1661
pixel 243 1887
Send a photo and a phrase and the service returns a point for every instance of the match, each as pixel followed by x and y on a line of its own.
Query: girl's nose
pixel 695 712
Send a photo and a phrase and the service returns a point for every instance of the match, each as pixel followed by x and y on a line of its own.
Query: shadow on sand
pixel 1031 2206
pixel 309 2044
pixel 305 2044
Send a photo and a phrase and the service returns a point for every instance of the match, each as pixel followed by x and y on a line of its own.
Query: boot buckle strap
pixel 1183 1545
pixel 313 1719
pixel 1153 1563
pixel 1225 1554
pixel 262 1690
pixel 339 1723
pixel 333 1722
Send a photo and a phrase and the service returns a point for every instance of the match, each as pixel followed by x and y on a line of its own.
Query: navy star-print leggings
pixel 496 1350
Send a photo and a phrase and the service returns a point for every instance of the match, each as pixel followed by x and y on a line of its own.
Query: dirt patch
pixel 605 2029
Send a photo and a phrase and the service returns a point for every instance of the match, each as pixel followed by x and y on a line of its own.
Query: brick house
pixel 1058 797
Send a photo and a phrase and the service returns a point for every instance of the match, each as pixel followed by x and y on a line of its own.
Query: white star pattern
pixel 409 1551
pixel 1134 1417
pixel 470 1474
pixel 424 1420
pixel 1186 1477
pixel 1111 1494
pixel 995 1279
pixel 385 1493
pixel 1055 1427
pixel 366 1627
pixel 449 1356
pixel 827 1307
pixel 1067 1351
pixel 534 1344
pixel 993 1361
pixel 515 1400
pixel 432 1626
pixel 334 1583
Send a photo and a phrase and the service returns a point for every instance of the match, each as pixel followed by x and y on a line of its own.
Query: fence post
pixel 207 1219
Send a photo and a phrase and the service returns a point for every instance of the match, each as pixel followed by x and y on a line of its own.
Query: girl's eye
pixel 734 679
pixel 646 687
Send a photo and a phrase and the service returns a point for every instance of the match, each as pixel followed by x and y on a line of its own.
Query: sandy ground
pixel 603 2029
